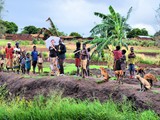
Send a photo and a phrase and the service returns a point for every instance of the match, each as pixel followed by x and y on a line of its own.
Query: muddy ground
pixel 87 88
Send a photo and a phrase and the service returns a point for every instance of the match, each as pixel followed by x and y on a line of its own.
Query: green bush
pixel 24 42
pixel 35 41
pixel 41 42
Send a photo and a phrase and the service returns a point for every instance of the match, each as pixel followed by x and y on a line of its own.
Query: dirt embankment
pixel 83 89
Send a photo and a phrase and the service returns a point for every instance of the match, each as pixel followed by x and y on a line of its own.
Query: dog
pixel 119 74
pixel 144 83
pixel 150 78
pixel 140 71
pixel 105 74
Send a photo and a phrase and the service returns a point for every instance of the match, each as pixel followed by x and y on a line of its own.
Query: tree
pixel 75 34
pixel 1 8
pixel 136 31
pixel 30 30
pixel 11 27
pixel 112 30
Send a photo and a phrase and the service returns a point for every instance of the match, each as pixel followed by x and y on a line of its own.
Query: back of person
pixel 77 53
pixel 117 54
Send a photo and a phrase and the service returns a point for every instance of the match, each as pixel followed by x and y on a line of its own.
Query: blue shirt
pixel 34 55
pixel 28 63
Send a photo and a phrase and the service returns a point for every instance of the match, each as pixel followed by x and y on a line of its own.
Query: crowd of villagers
pixel 20 61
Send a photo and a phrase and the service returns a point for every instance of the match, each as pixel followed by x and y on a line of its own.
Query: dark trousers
pixel 61 68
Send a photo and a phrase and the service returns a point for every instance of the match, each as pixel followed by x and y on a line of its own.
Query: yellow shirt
pixel 131 60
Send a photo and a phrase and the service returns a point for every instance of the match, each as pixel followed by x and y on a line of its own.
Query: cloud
pixel 78 15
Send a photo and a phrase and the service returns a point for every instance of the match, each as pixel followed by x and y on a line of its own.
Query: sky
pixel 78 15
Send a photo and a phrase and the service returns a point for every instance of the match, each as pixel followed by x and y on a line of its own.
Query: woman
pixel 53 57
pixel 9 55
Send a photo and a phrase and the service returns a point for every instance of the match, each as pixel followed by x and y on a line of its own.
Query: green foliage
pixel 35 41
pixel 75 34
pixel 136 31
pixel 30 30
pixel 24 42
pixel 11 27
pixel 57 108
pixel 41 42
pixel 112 30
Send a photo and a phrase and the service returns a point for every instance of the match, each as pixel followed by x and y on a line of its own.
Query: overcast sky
pixel 78 15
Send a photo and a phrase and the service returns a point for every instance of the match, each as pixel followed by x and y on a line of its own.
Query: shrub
pixel 35 41
pixel 41 42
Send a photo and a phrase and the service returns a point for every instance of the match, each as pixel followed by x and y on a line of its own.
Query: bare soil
pixel 87 88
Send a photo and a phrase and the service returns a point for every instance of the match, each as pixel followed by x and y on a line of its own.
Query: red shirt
pixel 117 54
pixel 9 52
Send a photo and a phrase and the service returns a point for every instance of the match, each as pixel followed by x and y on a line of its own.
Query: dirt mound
pixel 83 89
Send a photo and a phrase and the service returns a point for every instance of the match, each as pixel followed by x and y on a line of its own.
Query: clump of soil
pixel 87 88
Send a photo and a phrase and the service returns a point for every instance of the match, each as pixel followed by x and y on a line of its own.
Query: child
pixel 40 63
pixel 84 58
pixel 34 55
pixel 123 61
pixel 16 62
pixel 23 61
pixel 77 56
pixel 28 63
pixel 117 55
pixel 131 61
pixel 2 63
pixel 88 61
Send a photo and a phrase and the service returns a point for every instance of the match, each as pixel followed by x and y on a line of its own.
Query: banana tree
pixel 112 30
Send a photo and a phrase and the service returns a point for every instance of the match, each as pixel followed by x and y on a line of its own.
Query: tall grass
pixel 57 108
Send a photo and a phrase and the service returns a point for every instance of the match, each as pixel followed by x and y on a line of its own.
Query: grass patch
pixel 57 108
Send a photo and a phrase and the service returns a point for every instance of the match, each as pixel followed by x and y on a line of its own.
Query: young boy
pixel 123 61
pixel 84 58
pixel 40 63
pixel 2 63
pixel 131 62
pixel 34 55
pixel 77 56
pixel 28 63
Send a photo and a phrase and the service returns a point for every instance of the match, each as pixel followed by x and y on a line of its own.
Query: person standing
pixel 84 58
pixel 9 55
pixel 131 62
pixel 123 61
pixel 53 56
pixel 77 56
pixel 17 48
pixel 117 55
pixel 28 63
pixel 61 56
pixel 34 55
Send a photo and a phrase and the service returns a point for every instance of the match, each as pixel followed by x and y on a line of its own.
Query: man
pixel 84 58
pixel 61 56
pixel 17 48
pixel 9 55
pixel 34 55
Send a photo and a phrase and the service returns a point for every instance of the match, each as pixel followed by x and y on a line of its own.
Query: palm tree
pixel 112 30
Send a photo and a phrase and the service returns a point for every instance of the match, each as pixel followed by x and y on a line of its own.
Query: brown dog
pixel 140 71
pixel 144 83
pixel 105 74
pixel 119 74
pixel 150 78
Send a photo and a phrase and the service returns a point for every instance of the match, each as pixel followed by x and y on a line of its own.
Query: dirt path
pixel 77 87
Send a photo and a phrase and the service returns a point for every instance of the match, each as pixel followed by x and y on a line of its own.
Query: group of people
pixel 120 60
pixel 19 60
pixel 82 59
